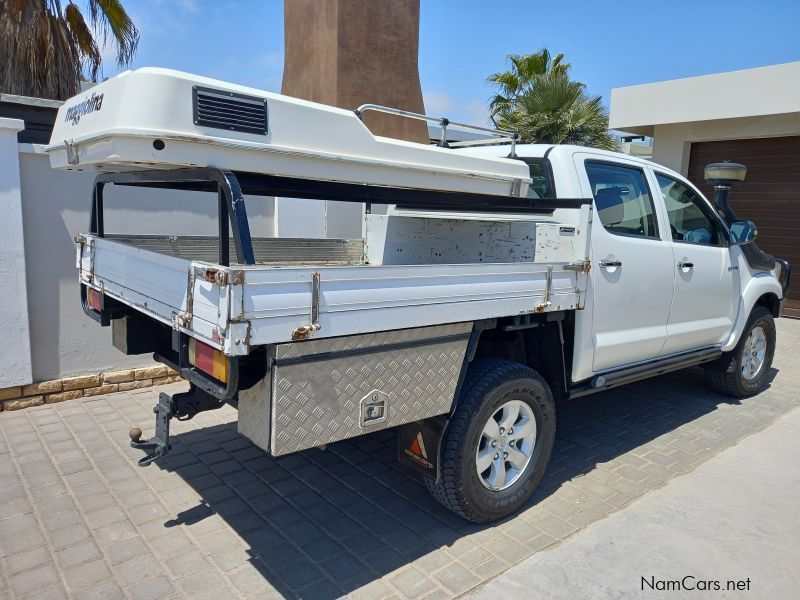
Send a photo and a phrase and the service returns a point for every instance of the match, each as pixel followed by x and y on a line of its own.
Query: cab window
pixel 622 199
pixel 690 218
pixel 541 181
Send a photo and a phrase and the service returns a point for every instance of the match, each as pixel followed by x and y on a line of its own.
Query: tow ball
pixel 182 406
pixel 158 445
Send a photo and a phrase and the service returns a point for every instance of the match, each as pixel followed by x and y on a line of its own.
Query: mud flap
pixel 418 444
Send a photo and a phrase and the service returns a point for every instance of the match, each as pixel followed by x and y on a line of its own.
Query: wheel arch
pixel 541 342
pixel 762 290
pixel 771 302
pixel 520 339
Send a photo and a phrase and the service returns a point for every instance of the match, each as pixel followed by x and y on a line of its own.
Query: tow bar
pixel 183 406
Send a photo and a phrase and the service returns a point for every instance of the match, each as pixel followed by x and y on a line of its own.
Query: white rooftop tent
pixel 154 118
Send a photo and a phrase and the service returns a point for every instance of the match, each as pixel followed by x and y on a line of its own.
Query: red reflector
pixel 208 360
pixel 204 357
pixel 95 299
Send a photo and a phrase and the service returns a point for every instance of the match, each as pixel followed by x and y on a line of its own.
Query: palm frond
pixel 45 47
pixel 537 99
pixel 109 16
pixel 507 82
pixel 83 38
pixel 534 65
pixel 558 66
pixel 499 104
pixel 38 52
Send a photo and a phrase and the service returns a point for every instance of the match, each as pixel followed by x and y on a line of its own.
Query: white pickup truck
pixel 489 281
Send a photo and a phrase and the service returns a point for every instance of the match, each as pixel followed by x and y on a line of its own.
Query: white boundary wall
pixel 15 358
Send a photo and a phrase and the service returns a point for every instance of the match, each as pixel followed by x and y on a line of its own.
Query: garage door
pixel 770 196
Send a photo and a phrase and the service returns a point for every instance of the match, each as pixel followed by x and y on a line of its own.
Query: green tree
pixel 537 99
pixel 47 47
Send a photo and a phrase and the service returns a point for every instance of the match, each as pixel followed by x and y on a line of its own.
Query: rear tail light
pixel 94 299
pixel 209 360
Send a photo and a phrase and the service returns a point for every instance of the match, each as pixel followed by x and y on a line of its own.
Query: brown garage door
pixel 770 197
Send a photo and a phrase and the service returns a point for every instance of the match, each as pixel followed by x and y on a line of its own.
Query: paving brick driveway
pixel 220 518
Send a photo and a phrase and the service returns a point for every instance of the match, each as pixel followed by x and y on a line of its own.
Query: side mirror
pixel 743 232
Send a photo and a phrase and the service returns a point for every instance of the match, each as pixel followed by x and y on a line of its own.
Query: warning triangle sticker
pixel 418 446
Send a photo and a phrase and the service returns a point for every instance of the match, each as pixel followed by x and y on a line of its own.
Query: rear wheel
pixel 743 371
pixel 497 443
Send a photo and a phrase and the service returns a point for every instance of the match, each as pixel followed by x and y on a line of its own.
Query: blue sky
pixel 610 44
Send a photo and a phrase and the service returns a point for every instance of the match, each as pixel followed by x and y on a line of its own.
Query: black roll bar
pixel 231 187
pixel 230 200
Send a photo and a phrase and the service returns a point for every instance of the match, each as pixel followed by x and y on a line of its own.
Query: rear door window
pixel 622 199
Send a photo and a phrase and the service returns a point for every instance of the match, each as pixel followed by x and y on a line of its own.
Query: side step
pixel 613 379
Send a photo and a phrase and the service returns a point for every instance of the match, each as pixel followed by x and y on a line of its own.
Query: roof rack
pixel 501 137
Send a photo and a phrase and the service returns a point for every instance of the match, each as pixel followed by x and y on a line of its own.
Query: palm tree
pixel 537 100
pixel 46 50
pixel 524 70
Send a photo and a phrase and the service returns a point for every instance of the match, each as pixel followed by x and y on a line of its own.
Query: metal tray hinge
pixel 547 292
pixel 583 266
pixel 302 332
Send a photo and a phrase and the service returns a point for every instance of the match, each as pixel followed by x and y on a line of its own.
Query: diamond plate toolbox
pixel 332 389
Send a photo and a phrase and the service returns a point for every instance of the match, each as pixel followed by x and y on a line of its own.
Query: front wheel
pixel 497 443
pixel 744 371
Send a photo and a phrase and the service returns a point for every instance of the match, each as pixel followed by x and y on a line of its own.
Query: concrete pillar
pixel 15 359
pixel 351 52
pixel 347 53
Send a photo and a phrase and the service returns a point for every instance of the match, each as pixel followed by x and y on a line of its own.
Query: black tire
pixel 725 375
pixel 488 385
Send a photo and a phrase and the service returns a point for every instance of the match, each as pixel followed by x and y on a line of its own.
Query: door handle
pixel 685 265
pixel 610 264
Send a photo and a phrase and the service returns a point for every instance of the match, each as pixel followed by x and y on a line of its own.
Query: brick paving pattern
pixel 219 518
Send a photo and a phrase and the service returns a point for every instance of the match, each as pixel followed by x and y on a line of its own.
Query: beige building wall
pixel 672 142
pixel 752 103
pixel 772 90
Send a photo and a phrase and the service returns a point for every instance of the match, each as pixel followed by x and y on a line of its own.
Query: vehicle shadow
pixel 350 514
